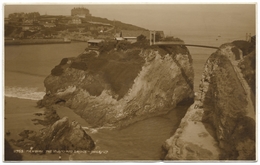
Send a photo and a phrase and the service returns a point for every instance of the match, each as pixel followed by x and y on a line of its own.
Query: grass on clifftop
pixel 118 68
pixel 118 63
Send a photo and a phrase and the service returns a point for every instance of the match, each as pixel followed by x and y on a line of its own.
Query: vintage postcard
pixel 129 82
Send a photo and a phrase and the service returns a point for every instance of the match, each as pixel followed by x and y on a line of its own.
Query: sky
pixel 174 19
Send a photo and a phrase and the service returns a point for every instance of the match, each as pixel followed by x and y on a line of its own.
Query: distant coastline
pixel 36 41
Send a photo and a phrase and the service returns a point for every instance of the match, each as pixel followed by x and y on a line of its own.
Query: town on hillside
pixel 79 26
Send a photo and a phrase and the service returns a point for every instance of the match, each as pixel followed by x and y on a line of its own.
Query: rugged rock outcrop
pixel 63 135
pixel 221 123
pixel 120 87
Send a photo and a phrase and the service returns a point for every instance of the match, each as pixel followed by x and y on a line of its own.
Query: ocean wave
pixel 95 130
pixel 24 93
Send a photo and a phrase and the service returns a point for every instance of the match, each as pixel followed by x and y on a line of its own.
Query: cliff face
pixel 221 123
pixel 120 87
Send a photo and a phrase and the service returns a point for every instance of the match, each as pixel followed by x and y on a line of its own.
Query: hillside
pixel 50 26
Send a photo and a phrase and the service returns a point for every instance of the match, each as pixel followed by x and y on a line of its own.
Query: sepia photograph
pixel 129 82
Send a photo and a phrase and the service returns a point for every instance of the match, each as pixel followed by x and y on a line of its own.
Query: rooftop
pixel 95 40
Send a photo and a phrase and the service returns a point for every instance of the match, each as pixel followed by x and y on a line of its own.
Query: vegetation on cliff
pixel 14 28
pixel 118 63
pixel 122 83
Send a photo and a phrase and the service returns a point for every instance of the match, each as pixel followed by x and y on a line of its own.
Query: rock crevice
pixel 220 125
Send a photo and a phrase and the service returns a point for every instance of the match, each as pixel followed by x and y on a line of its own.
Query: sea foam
pixel 24 93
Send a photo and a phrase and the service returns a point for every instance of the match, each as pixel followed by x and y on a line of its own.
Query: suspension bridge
pixel 153 42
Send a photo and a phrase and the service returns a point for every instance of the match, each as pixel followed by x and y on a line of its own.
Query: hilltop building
pixel 94 44
pixel 80 12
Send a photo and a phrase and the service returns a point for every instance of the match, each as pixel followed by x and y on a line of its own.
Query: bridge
pixel 153 42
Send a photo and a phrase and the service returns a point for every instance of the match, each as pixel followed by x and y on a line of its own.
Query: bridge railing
pixel 153 42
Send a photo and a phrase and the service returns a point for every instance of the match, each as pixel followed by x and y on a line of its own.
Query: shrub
pixel 87 55
pixel 79 65
pixel 64 61
pixel 141 44
pixel 141 38
pixel 124 45
pixel 107 46
pixel 57 71
pixel 133 55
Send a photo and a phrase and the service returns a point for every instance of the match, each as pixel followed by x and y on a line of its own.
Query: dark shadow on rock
pixel 9 153
pixel 186 102
pixel 183 50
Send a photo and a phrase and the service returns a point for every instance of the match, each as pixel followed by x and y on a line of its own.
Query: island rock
pixel 119 87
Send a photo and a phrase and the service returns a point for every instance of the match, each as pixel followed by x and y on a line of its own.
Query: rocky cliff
pixel 63 135
pixel 220 125
pixel 119 87
pixel 59 134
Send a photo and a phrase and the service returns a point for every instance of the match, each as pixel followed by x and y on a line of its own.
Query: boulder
pixel 63 135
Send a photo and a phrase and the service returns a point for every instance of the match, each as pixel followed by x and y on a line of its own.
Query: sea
pixel 26 67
